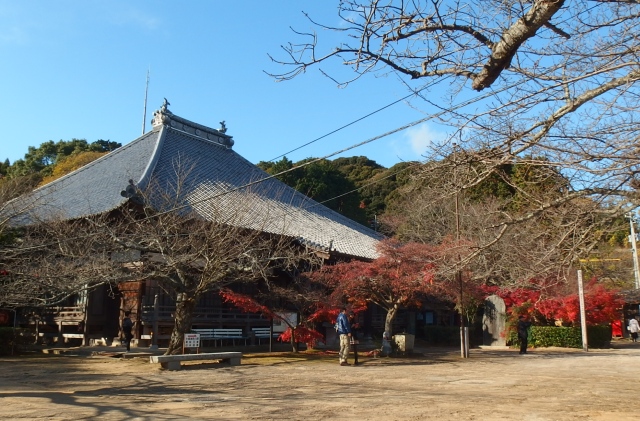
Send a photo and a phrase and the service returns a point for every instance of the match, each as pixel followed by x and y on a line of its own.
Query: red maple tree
pixel 551 302
pixel 399 278
pixel 310 305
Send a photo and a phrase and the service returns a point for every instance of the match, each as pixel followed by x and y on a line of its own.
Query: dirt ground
pixel 547 384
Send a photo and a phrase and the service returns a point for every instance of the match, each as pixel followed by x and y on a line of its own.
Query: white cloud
pixel 416 140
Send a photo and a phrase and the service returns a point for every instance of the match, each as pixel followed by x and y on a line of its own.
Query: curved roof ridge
pixel 146 174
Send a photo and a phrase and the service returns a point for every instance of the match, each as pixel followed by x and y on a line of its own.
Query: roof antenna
pixel 146 91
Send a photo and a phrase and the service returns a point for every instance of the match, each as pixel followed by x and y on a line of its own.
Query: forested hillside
pixel 357 187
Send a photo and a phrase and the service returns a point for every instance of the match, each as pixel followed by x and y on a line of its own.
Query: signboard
pixel 192 340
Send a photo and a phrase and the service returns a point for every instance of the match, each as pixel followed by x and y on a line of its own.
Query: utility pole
pixel 634 250
pixel 583 314
pixel 464 331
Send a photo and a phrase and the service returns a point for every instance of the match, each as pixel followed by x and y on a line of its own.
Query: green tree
pixel 70 163
pixel 4 167
pixel 322 182
pixel 42 159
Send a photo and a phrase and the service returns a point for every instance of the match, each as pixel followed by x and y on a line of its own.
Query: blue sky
pixel 77 69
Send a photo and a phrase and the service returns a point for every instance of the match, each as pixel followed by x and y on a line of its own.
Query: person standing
pixel 344 330
pixel 523 333
pixel 634 327
pixel 127 329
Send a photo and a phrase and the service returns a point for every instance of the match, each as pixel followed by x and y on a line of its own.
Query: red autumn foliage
pixel 301 333
pixel 399 278
pixel 247 304
pixel 553 302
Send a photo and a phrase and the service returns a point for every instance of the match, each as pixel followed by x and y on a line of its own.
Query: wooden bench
pixel 173 362
pixel 219 335
pixel 263 333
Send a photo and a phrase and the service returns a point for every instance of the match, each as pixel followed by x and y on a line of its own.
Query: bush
pixel 15 341
pixel 566 337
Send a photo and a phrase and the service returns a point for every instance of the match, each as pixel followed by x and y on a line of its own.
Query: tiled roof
pixel 214 183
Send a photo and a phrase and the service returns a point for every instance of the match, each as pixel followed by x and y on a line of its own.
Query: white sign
pixel 192 340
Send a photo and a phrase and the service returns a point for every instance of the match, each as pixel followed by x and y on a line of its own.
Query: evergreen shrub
pixel 565 337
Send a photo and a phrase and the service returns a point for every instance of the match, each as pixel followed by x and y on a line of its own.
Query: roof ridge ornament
pixel 163 115
pixel 132 193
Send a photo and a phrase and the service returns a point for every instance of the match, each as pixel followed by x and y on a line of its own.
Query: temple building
pixel 217 179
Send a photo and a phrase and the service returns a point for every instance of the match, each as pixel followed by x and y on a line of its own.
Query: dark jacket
pixel 523 328
pixel 127 326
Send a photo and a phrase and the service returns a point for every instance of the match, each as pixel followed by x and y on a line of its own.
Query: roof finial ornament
pixel 164 108
pixel 223 127
pixel 162 116
pixel 132 193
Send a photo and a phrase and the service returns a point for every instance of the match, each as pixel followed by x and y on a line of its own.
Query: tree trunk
pixel 183 316
pixel 388 322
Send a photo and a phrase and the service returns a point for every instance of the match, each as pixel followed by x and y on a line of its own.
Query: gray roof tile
pixel 212 171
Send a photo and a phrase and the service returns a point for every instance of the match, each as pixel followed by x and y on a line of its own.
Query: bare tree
pixel 193 249
pixel 43 264
pixel 495 228
pixel 542 83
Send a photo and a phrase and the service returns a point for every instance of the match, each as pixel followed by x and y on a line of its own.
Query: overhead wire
pixel 349 124
pixel 269 177
pixel 372 139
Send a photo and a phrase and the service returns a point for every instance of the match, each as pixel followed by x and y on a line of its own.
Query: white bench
pixel 172 362
pixel 205 335
pixel 263 333
pixel 220 335
pixel 73 335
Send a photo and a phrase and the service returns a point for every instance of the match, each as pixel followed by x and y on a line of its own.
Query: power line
pixel 349 124
pixel 372 139
pixel 410 166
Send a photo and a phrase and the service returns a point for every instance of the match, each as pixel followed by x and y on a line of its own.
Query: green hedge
pixel 566 337
pixel 16 341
